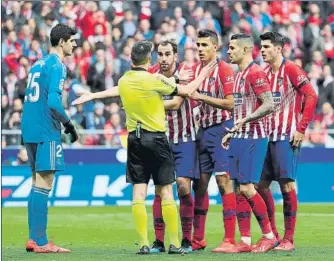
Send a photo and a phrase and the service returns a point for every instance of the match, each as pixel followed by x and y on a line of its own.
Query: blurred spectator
pixel 97 72
pixel 129 25
pixel 9 84
pixel 14 123
pixel 113 130
pixel 145 28
pixel 326 87
pixel 162 13
pixel 125 60
pixel 5 111
pixel 322 123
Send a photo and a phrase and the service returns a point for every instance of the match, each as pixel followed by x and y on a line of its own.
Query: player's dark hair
pixel 275 38
pixel 242 36
pixel 61 31
pixel 204 33
pixel 167 42
pixel 140 52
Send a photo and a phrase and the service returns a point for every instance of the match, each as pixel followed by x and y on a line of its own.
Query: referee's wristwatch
pixel 177 79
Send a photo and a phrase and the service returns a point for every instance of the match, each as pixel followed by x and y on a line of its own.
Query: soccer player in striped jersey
pixel 181 134
pixel 248 141
pixel 295 102
pixel 216 101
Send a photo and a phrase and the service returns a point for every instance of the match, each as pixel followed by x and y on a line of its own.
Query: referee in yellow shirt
pixel 149 153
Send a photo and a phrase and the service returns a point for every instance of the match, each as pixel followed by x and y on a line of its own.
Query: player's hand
pixel 196 96
pixel 85 97
pixel 297 139
pixel 226 141
pixel 208 69
pixel 237 125
pixel 185 75
pixel 70 129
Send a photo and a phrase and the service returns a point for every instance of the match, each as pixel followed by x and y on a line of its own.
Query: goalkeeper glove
pixel 70 129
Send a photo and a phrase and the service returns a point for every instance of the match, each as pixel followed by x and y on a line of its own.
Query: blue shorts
pixel 212 156
pixel 45 156
pixel 186 160
pixel 281 161
pixel 246 158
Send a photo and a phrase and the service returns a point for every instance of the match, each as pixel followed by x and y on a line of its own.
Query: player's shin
pixel 259 208
pixel 139 212
pixel 270 204
pixel 186 207
pixel 169 213
pixel 30 213
pixel 244 212
pixel 229 206
pixel 39 207
pixel 159 224
pixel 290 204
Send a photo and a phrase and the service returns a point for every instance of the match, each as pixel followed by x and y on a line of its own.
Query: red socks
pixel 260 211
pixel 229 215
pixel 290 210
pixel 244 212
pixel 159 224
pixel 201 209
pixel 270 204
pixel 187 215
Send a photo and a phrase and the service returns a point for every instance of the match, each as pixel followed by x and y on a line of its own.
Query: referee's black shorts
pixel 149 156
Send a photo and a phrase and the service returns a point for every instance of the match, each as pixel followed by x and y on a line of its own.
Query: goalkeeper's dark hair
pixel 275 38
pixel 167 42
pixel 61 31
pixel 204 33
pixel 140 53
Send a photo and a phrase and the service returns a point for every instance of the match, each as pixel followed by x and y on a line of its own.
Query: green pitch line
pixel 108 234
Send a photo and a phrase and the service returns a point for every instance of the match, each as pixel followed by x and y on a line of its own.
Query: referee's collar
pixel 138 69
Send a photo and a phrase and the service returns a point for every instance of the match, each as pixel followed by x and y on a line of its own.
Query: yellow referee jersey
pixel 141 94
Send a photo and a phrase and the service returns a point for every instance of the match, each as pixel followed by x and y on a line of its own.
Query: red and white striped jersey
pixel 218 85
pixel 248 85
pixel 180 123
pixel 284 84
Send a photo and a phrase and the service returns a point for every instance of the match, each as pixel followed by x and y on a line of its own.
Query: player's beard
pixel 165 67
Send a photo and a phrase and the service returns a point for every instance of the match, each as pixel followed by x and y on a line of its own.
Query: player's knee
pixel 224 183
pixel 287 185
pixel 33 178
pixel 263 185
pixel 201 189
pixel 247 190
pixel 139 191
pixel 166 192
pixel 201 186
pixel 44 179
pixel 183 186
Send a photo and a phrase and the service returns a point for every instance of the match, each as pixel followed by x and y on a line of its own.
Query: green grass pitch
pixel 108 233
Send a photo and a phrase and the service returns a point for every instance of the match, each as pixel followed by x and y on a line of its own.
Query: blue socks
pixel 30 216
pixel 39 215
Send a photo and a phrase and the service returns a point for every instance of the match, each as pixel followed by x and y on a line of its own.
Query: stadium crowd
pixel 107 31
